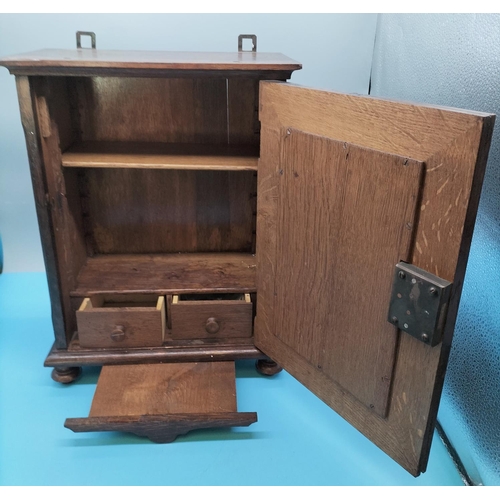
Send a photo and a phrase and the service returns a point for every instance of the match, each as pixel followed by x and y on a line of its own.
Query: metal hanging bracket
pixel 79 34
pixel 419 303
pixel 247 37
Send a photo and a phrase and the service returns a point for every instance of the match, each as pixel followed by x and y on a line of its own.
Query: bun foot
pixel 267 367
pixel 66 375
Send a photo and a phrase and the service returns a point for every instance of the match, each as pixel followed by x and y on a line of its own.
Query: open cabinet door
pixel 349 187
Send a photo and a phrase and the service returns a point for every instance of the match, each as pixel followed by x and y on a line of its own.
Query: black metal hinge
pixel 419 303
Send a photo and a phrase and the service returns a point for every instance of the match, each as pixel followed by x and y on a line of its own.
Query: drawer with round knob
pixel 121 321
pixel 205 316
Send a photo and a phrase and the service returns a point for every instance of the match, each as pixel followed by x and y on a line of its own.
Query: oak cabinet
pixel 195 209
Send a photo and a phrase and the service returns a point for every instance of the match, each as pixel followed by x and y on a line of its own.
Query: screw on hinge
pixel 402 275
pixel 433 290
pixel 394 319
pixel 424 337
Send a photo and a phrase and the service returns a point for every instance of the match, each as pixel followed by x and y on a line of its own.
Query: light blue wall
pixel 454 60
pixel 335 50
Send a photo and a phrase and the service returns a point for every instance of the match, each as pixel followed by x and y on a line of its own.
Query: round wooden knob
pixel 212 326
pixel 118 334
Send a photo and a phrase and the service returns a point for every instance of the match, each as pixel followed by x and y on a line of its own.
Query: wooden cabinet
pixel 259 219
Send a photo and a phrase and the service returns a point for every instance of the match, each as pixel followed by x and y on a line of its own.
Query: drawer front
pixel 136 323
pixel 205 319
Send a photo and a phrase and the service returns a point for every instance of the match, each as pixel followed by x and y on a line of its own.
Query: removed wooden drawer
pixel 205 316
pixel 121 321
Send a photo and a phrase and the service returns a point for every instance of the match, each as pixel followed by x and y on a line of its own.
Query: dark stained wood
pixel 51 103
pixel 243 111
pixel 161 428
pixel 345 218
pixel 172 110
pixel 66 375
pixel 168 300
pixel 197 350
pixel 169 210
pixel 103 154
pixel 267 367
pixel 168 273
pixel 181 397
pixel 84 62
pixel 243 123
pixel 43 208
pixel 453 144
pixel 122 323
pixel 205 319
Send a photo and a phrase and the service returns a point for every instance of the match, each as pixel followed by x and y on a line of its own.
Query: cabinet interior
pixel 157 180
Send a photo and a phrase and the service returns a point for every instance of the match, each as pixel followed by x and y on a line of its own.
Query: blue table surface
pixel 298 440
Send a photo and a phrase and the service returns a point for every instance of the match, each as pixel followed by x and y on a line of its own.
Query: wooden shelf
pixel 167 274
pixel 101 154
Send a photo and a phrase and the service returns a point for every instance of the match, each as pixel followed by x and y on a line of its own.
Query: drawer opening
pixel 116 301
pixel 212 296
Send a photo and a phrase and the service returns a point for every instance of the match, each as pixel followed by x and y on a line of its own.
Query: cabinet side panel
pixel 53 112
pixel 28 119
pixel 175 110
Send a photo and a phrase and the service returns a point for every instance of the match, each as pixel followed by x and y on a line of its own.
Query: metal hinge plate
pixel 419 302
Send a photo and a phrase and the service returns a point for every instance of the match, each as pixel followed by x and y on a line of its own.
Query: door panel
pixel 345 216
pixel 314 232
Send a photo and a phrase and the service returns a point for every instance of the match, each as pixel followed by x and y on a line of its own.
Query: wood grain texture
pixel 121 325
pixel 243 111
pixel 454 145
pixel 160 389
pixel 231 319
pixel 51 105
pixel 197 350
pixel 103 154
pixel 43 210
pixel 171 110
pixel 167 274
pixel 161 428
pixel 169 210
pixel 162 401
pixel 267 220
pixel 345 217
pixel 64 61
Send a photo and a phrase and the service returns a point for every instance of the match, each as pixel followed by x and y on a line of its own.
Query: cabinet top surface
pixel 88 59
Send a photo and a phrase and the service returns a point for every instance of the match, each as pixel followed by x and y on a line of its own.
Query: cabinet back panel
pixel 182 110
pixel 149 211
pixel 243 111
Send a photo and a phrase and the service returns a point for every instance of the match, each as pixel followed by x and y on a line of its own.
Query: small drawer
pixel 121 321
pixel 211 316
